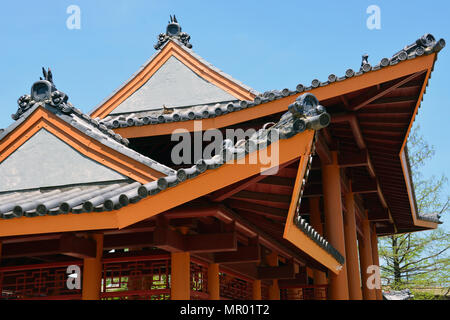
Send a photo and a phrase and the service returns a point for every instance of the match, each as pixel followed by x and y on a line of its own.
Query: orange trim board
pixel 419 100
pixel 300 239
pixel 210 181
pixel 89 147
pixel 332 90
pixel 408 182
pixel 171 49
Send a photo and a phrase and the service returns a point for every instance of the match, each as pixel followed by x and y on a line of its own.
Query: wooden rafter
pixel 384 92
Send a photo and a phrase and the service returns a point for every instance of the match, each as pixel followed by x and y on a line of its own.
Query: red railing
pixel 234 286
pixel 306 292
pixel 199 280
pixel 34 282
pixel 136 278
pixel 264 291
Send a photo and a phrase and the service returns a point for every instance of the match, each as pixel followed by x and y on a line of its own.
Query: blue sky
pixel 265 44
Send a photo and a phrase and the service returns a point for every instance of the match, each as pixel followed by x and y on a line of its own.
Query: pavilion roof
pixel 423 46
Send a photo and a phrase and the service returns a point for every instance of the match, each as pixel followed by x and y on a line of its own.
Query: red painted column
pixel 320 277
pixel 365 255
pixel 92 272
pixel 274 289
pixel 375 258
pixel 334 224
pixel 351 249
pixel 257 294
pixel 213 281
pixel 180 282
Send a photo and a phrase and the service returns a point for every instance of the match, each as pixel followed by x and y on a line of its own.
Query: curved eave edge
pixel 302 234
pixel 287 130
pixel 214 111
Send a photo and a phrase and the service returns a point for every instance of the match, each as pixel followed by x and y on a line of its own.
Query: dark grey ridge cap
pixel 191 52
pixel 203 111
pixel 423 46
pixel 304 114
pixel 158 110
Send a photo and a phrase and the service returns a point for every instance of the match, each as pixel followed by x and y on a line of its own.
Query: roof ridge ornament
pixel 45 94
pixel 173 31
pixel 43 91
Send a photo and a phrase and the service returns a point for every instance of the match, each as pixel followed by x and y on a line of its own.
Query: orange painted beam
pixel 430 64
pixel 294 235
pixel 171 49
pixel 335 89
pixel 213 180
pixel 205 183
pixel 408 182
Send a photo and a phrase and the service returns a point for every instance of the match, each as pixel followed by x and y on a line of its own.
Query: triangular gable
pixel 173 85
pixel 71 152
pixel 156 84
pixel 44 160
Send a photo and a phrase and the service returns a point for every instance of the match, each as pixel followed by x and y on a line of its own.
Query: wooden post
pixel 351 249
pixel 92 271
pixel 320 278
pixel 365 255
pixel 213 281
pixel 274 290
pixel 257 290
pixel 334 224
pixel 375 258
pixel 180 286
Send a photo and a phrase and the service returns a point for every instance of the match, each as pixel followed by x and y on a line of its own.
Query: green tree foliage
pixel 420 259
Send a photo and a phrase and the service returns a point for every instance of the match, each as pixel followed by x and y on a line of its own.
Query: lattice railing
pixel 264 292
pixel 307 292
pixel 42 281
pixel 235 287
pixel 136 278
pixel 199 280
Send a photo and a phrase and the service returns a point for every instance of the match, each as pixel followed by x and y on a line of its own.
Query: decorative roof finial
pixel 47 75
pixel 43 92
pixel 173 31
pixel 365 59
pixel 365 65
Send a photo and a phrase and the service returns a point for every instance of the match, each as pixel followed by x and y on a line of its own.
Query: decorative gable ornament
pixel 43 91
pixel 173 31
